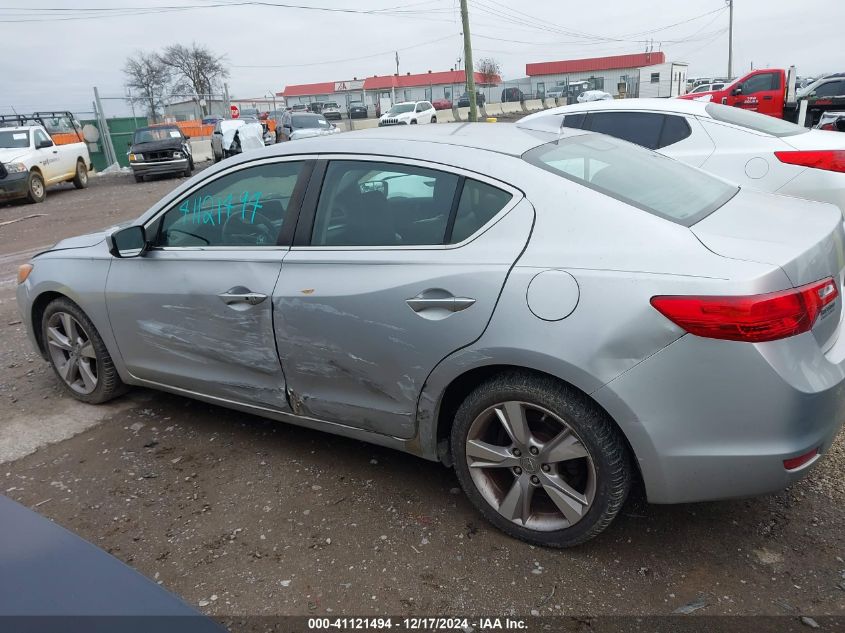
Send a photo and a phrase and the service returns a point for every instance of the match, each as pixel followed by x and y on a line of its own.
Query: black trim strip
pixel 305 222
pixel 294 206
pixel 453 212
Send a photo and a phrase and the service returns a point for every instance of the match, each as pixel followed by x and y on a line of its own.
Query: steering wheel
pixel 259 232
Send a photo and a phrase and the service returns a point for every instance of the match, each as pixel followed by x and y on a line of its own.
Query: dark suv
pixel 463 102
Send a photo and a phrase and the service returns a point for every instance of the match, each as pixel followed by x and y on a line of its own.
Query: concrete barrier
pixel 493 109
pixel 462 114
pixel 512 107
pixel 362 124
pixel 445 116
pixel 201 150
pixel 532 105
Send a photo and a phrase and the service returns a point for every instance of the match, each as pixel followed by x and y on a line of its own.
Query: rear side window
pixel 575 120
pixel 675 130
pixel 642 128
pixel 644 179
pixel 478 205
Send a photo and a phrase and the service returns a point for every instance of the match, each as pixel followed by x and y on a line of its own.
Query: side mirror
pixel 737 91
pixel 128 242
pixel 187 138
pixel 44 144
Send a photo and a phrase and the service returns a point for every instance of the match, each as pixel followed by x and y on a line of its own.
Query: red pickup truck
pixel 771 91
pixel 763 91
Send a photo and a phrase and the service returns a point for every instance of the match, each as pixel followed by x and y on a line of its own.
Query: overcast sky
pixel 51 60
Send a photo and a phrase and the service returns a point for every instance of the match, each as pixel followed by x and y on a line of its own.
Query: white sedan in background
pixel 747 148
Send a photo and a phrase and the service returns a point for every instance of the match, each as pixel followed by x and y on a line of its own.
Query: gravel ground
pixel 241 515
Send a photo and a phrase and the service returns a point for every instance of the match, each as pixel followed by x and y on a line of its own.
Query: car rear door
pixel 396 263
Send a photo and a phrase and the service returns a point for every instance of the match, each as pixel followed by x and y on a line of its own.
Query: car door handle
pixel 452 304
pixel 767 97
pixel 238 295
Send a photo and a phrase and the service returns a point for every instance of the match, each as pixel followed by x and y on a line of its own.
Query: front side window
pixel 41 137
pixel 760 83
pixel 246 207
pixel 830 89
pixel 646 180
pixel 366 203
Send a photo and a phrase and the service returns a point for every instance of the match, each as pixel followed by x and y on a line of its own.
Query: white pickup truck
pixel 31 159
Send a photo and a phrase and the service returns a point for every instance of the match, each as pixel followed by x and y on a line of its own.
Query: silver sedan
pixel 553 313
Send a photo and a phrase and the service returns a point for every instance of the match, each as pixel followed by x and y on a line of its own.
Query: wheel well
pixel 38 306
pixel 37 170
pixel 462 386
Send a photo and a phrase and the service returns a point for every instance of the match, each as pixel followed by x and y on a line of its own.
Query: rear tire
pixel 558 477
pixel 77 353
pixel 434 119
pixel 36 191
pixel 80 179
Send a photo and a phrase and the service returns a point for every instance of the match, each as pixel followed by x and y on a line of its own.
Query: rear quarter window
pixel 644 179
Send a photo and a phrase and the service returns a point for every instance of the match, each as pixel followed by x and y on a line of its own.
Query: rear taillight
pixel 752 319
pixel 829 159
pixel 828 126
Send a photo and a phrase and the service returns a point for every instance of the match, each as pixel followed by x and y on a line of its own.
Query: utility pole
pixel 730 4
pixel 468 65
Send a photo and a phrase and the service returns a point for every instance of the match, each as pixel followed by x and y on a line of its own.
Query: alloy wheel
pixel 72 353
pixel 37 187
pixel 530 466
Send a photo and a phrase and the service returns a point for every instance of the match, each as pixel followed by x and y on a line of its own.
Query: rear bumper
pixel 160 167
pixel 14 186
pixel 334 116
pixel 714 419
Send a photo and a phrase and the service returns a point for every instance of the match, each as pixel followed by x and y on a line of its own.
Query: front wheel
pixel 80 179
pixel 540 460
pixel 36 191
pixel 77 353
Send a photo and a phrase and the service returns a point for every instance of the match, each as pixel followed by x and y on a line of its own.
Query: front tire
pixel 80 179
pixel 434 119
pixel 540 460
pixel 36 191
pixel 77 353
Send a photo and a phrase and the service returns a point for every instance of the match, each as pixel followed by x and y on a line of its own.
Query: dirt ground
pixel 241 515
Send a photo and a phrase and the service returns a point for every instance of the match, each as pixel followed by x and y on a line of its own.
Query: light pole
pixel 468 66
pixel 730 4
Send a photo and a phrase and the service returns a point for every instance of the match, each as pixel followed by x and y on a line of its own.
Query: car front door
pixel 49 157
pixel 194 312
pixel 761 93
pixel 395 265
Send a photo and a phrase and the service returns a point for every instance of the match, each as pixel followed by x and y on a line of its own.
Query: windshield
pixel 302 122
pixel 14 139
pixel 753 120
pixel 148 135
pixel 639 177
pixel 401 108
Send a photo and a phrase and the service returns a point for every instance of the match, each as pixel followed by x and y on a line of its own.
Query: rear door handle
pixel 241 295
pixel 767 97
pixel 452 304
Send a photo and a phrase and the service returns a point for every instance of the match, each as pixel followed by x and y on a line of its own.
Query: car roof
pixel 414 140
pixel 676 106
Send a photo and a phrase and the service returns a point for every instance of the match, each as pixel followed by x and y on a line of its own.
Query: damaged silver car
pixel 555 313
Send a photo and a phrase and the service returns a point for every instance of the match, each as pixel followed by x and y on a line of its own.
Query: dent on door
pixel 359 331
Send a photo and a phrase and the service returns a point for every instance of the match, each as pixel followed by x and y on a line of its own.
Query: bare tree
pixel 197 70
pixel 490 71
pixel 148 77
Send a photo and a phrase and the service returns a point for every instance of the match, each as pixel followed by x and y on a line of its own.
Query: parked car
pixel 511 94
pixel 669 326
pixel 211 120
pixel 331 110
pixel 307 125
pixel 299 107
pixel 594 95
pixel 744 147
pixel 706 88
pixel 315 107
pixel 463 102
pixel 38 150
pixel 160 149
pixel 234 136
pixel 409 113
pixel 558 92
pixel 442 104
pixel 832 121
pixel 54 580
pixel 357 110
